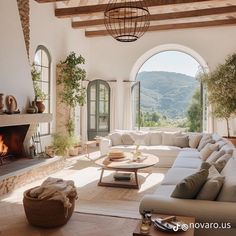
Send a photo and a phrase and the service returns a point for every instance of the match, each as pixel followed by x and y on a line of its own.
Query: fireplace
pixel 16 132
pixel 12 141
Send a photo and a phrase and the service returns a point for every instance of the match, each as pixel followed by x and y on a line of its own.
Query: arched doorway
pixel 98 96
pixel 170 96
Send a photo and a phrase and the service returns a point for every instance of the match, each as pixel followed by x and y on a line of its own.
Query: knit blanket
pixel 55 189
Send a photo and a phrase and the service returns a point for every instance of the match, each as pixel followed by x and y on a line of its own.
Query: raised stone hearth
pixel 25 171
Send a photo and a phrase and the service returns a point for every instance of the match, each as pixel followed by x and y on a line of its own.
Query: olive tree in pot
pixel 221 86
pixel 72 94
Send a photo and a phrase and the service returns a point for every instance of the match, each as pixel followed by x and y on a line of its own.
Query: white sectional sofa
pixel 184 162
pixel 157 143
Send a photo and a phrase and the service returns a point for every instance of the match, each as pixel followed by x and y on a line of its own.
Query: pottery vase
pixel 1 102
pixel 41 106
pixel 35 107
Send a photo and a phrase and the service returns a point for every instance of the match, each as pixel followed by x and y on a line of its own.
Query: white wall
pixel 114 60
pixel 15 77
pixel 59 38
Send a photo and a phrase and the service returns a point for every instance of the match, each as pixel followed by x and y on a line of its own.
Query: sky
pixel 172 61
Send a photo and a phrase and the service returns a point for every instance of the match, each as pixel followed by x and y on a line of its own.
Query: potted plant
pixel 73 93
pixel 40 96
pixel 221 85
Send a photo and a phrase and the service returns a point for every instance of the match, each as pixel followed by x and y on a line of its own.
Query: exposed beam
pixel 46 1
pixel 171 26
pixel 165 16
pixel 74 11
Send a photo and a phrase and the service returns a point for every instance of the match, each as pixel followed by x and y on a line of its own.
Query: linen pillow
pixel 208 150
pixel 206 138
pixel 155 138
pixel 168 138
pixel 211 188
pixel 127 139
pixel 205 165
pixel 221 143
pixel 219 165
pixel 181 141
pixel 189 187
pixel 215 156
pixel 115 138
pixel 141 138
pixel 194 140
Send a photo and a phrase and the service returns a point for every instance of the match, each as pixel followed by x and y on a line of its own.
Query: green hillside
pixel 167 93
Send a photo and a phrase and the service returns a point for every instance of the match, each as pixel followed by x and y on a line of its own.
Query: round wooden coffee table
pixel 126 165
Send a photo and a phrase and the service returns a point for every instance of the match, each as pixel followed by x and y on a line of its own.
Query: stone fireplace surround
pixel 25 119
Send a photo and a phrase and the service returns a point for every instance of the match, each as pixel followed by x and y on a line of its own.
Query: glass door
pixel 98 109
pixel 135 93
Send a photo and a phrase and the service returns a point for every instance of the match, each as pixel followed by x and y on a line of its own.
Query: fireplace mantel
pixel 24 119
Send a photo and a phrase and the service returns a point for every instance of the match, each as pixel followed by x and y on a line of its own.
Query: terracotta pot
pixel 232 140
pixel 41 107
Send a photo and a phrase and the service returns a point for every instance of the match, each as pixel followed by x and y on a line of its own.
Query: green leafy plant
pixel 73 93
pixel 221 85
pixel 62 143
pixel 36 76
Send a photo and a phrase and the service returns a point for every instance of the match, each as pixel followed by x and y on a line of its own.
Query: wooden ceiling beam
pixel 165 16
pixel 74 11
pixel 46 1
pixel 188 25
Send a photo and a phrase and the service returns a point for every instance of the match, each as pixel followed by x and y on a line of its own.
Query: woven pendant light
pixel 126 21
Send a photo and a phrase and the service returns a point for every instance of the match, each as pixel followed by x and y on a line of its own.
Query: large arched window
pixel 42 61
pixel 170 95
pixel 98 93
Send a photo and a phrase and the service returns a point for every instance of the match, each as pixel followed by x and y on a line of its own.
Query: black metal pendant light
pixel 126 21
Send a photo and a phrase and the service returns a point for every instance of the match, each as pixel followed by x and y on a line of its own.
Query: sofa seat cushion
pixel 189 153
pixel 164 190
pixel 175 175
pixel 193 163
pixel 162 150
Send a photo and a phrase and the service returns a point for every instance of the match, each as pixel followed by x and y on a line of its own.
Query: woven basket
pixel 46 213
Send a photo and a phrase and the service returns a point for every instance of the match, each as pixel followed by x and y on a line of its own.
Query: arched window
pixel 170 94
pixel 42 61
pixel 98 108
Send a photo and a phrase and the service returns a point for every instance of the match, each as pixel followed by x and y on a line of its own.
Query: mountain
pixel 167 93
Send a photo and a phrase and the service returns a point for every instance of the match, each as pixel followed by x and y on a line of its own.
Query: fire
pixel 3 147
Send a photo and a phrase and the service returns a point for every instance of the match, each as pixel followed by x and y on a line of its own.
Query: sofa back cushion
pixel 228 191
pixel 115 138
pixel 127 139
pixel 155 138
pixel 194 139
pixel 140 138
pixel 189 187
pixel 168 138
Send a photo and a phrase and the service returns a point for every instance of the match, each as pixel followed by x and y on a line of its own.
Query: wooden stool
pixel 87 145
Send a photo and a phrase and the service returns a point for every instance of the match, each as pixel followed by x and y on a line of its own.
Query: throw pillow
pixel 115 139
pixel 168 138
pixel 189 187
pixel 221 143
pixel 219 165
pixel 127 139
pixel 205 165
pixel 155 138
pixel 206 138
pixel 181 141
pixel 215 156
pixel 194 140
pixel 208 150
pixel 225 157
pixel 211 188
